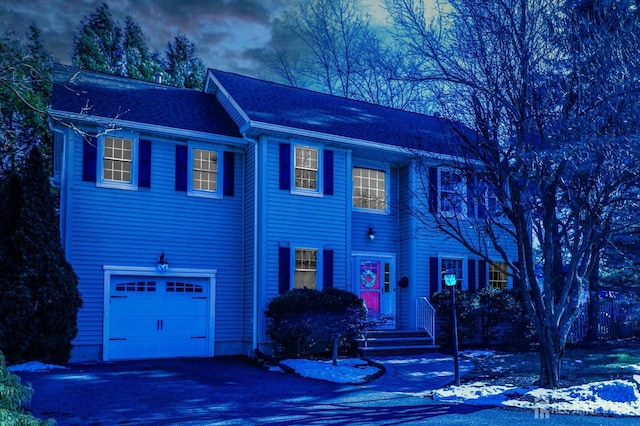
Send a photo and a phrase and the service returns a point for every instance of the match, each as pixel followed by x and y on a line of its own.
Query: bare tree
pixel 551 90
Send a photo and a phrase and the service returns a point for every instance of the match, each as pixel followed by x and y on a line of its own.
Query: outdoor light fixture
pixel 451 280
pixel 163 265
pixel 371 233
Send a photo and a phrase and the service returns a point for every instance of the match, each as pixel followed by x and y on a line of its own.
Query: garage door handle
pixel 160 325
pixel 199 297
pixel 198 337
pixel 119 297
pixel 117 338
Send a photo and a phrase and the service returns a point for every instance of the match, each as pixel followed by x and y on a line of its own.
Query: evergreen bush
pixel 40 298
pixel 13 397
pixel 306 321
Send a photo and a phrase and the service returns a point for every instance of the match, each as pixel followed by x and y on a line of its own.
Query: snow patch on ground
pixel 350 370
pixel 34 366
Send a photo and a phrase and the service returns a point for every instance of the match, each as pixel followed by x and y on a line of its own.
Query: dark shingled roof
pixel 133 100
pixel 273 103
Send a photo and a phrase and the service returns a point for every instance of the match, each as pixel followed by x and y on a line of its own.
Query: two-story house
pixel 184 213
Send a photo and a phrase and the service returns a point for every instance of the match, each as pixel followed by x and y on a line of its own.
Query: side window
pixel 455 266
pixel 498 275
pixel 452 194
pixel 306 268
pixel 369 189
pixel 306 168
pixel 117 161
pixel 204 170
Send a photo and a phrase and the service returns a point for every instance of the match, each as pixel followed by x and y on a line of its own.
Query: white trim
pixel 220 172
pixel 145 271
pixel 319 191
pixel 105 183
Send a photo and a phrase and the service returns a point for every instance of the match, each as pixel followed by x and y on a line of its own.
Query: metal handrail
pixel 426 317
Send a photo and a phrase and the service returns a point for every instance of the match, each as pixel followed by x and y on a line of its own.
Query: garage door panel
pixel 157 317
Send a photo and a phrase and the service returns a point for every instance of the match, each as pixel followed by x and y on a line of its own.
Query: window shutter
pixel 182 165
pixel 434 275
pixel 144 164
pixel 433 189
pixel 89 159
pixel 482 274
pixel 229 174
pixel 328 172
pixel 284 270
pixel 471 271
pixel 327 269
pixel 285 166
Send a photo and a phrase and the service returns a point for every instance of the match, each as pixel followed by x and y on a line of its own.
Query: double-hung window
pixel 498 275
pixel 306 168
pixel 204 172
pixel 452 194
pixel 117 162
pixel 369 189
pixel 306 268
pixel 450 265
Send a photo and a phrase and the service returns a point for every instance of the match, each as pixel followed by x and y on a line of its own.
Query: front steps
pixel 396 342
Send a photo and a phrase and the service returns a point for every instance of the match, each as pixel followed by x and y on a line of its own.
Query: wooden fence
pixel 612 324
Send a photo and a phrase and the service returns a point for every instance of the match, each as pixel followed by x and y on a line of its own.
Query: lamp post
pixel 450 280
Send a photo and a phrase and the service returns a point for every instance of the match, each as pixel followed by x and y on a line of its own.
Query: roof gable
pixel 109 96
pixel 275 104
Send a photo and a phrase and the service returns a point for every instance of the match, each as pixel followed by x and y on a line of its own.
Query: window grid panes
pixel 498 275
pixel 118 155
pixel 455 266
pixel 205 170
pixel 306 268
pixel 306 167
pixel 369 189
pixel 452 192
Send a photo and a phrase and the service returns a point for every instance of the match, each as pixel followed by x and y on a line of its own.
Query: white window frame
pixel 506 277
pixel 462 280
pixel 386 189
pixel 107 183
pixel 462 194
pixel 192 147
pixel 295 265
pixel 318 191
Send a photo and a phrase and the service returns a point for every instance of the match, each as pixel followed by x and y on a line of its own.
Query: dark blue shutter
pixel 228 181
pixel 284 270
pixel 328 172
pixel 327 269
pixel 285 166
pixel 471 272
pixel 433 189
pixel 89 158
pixel 182 165
pixel 144 164
pixel 434 275
pixel 482 274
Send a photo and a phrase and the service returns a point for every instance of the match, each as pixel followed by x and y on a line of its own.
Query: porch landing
pixel 396 342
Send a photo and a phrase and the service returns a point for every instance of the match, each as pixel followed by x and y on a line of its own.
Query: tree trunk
pixel 550 357
pixel 593 312
pixel 336 341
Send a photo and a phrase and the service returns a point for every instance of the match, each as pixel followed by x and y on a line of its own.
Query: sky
pixel 228 34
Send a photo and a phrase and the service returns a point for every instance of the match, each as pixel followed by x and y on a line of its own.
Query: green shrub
pixel 13 397
pixel 305 321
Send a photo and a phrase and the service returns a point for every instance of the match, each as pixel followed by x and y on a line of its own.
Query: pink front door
pixel 377 290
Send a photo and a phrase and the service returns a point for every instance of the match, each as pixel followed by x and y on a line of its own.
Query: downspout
pixel 413 242
pixel 256 227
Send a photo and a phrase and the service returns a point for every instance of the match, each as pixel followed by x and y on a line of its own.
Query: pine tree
pixel 98 43
pixel 140 63
pixel 185 69
pixel 34 266
pixel 25 89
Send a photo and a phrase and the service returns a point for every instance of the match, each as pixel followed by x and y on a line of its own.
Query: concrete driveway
pixel 237 391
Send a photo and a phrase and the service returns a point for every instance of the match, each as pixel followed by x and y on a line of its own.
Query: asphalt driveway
pixel 238 391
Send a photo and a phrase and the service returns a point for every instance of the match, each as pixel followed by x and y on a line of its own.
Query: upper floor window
pixel 306 265
pixel 369 189
pixel 306 168
pixel 498 275
pixel 453 193
pixel 117 160
pixel 204 171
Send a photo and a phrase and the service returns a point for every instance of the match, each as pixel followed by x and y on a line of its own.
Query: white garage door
pixel 158 317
